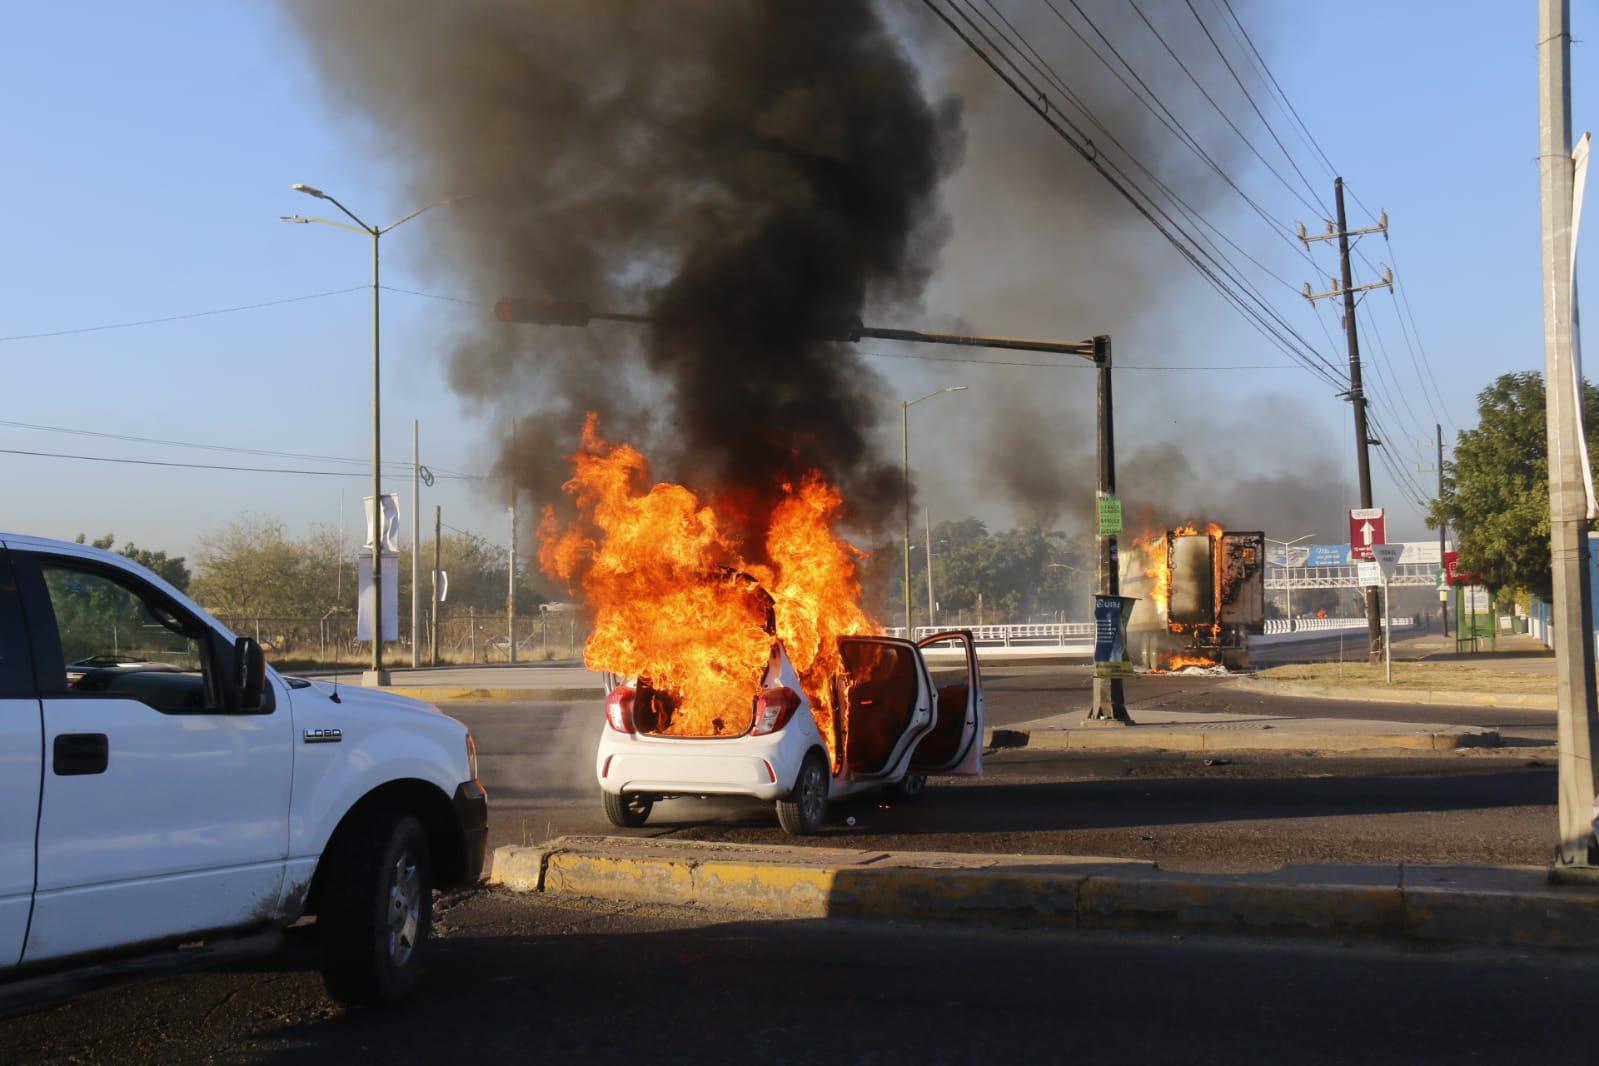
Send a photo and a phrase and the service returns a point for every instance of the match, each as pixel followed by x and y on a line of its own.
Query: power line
pixel 1262 316
pixel 180 318
pixel 1248 96
pixel 1261 60
pixel 1222 112
pixel 1048 72
pixel 185 466
pixel 395 465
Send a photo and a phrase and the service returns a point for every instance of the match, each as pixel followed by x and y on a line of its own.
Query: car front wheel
pixel 377 908
pixel 805 811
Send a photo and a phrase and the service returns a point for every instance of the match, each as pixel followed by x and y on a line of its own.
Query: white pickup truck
pixel 159 784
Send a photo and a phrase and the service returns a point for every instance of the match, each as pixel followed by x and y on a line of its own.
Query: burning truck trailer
pixel 1202 593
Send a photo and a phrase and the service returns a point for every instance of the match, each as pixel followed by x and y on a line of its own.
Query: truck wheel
pixel 908 788
pixel 627 810
pixel 377 908
pixel 804 812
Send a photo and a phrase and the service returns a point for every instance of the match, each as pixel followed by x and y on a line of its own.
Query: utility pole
pixel 927 531
pixel 1357 394
pixel 1443 527
pixel 1576 722
pixel 510 584
pixel 1109 704
pixel 438 526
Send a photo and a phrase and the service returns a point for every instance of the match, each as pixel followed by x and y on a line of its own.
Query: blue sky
pixel 149 153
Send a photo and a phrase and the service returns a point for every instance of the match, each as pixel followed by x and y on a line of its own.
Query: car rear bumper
pixel 697 775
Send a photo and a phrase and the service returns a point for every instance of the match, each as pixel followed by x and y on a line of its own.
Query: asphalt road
pixel 522 979
pixel 1244 813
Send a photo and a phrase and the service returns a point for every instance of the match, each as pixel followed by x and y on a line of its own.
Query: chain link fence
pixel 464 637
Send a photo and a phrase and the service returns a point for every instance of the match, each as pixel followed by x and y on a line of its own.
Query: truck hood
pixel 354 697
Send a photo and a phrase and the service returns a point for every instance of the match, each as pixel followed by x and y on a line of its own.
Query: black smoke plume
pixel 745 171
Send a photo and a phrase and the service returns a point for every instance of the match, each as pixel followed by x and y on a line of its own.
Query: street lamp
pixel 377 675
pixel 905 428
pixel 1288 585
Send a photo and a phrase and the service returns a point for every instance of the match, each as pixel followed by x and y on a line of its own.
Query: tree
pixel 170 568
pixel 252 569
pixel 1496 489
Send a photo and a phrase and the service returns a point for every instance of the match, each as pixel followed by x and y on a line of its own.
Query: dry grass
pixel 1448 677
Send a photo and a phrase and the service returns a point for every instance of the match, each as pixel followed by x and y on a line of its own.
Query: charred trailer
pixel 1217 593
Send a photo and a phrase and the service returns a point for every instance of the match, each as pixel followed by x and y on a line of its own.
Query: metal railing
pixel 1038 635
pixel 1312 624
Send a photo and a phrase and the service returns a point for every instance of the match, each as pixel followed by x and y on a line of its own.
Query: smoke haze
pixel 749 172
pixel 746 172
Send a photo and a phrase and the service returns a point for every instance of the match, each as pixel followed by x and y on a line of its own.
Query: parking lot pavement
pixel 527 980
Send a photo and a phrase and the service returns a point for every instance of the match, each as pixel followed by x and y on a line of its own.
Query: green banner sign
pixel 1110 516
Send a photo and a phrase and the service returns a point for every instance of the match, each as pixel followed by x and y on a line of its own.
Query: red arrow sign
pixel 1366 528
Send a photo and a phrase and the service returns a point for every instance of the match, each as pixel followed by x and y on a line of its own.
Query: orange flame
pixel 670 595
pixel 1179 662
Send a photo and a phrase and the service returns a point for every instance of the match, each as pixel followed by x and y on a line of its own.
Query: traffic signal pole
pixel 1576 722
pixel 1109 704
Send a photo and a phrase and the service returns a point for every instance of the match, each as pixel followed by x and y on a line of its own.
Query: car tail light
pixel 773 708
pixel 619 709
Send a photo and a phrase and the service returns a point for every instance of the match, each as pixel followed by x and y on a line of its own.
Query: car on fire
pixel 905 709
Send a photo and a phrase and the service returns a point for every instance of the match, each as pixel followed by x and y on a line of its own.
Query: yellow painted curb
pixel 1478 905
pixel 1148 738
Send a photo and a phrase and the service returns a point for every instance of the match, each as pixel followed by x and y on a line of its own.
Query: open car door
pixel 954 746
pixel 888 704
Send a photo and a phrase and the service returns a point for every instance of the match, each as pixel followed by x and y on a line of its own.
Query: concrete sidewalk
pixel 1429 904
pixel 1163 730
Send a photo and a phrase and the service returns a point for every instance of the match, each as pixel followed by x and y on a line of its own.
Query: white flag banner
pixel 441 581
pixel 1579 158
pixel 391 597
pixel 391 523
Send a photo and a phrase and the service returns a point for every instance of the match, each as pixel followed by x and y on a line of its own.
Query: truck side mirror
pixel 249 674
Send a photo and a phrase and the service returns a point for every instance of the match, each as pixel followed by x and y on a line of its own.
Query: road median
pixel 1488 906
pixel 1188 731
pixel 1382 694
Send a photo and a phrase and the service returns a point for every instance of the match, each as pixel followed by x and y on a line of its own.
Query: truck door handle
pixel 77 754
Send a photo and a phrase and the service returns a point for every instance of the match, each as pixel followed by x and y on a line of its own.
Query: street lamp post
pixel 377 675
pixel 905 429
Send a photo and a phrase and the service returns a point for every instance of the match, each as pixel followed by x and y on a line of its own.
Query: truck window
pixel 119 641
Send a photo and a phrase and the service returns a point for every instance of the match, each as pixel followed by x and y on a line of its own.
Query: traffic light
pixel 544 312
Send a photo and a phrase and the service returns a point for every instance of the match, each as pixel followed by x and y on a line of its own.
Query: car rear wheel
pixel 908 788
pixel 805 811
pixel 628 810
pixel 377 908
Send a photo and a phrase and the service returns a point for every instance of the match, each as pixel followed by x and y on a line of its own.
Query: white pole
pixel 1387 633
pixel 1577 716
pixel 416 542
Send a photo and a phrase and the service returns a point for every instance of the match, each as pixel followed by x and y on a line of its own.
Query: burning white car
pixel 899 719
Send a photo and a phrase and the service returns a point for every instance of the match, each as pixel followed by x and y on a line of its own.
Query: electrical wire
pixel 1263 318
pixel 182 317
pixel 392 464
